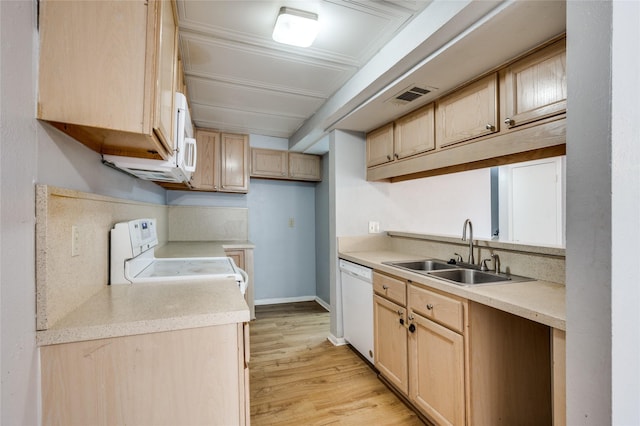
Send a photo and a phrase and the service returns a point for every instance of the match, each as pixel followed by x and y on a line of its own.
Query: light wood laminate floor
pixel 297 377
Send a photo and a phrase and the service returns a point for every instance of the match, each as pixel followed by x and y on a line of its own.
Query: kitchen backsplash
pixel 539 262
pixel 194 223
pixel 69 272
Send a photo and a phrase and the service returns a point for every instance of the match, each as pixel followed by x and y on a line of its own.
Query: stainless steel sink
pixel 475 277
pixel 460 274
pixel 422 265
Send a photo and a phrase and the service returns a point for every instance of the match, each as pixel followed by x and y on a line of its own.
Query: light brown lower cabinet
pixel 243 258
pixel 436 363
pixel 460 362
pixel 390 342
pixel 192 376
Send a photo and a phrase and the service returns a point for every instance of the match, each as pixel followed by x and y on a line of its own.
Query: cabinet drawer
pixel 445 310
pixel 392 288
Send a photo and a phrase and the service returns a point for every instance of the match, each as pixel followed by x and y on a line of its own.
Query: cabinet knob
pixel 489 126
pixel 508 121
pixel 412 328
pixel 396 155
pixel 389 157
pixel 385 287
pixel 429 306
pixel 399 312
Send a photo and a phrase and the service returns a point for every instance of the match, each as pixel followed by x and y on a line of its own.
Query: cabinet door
pixel 414 133
pixel 192 376
pixel 390 342
pixel 436 358
pixel 234 163
pixel 304 166
pixel 165 73
pixel 468 113
pixel 536 86
pixel 207 175
pixel 380 145
pixel 269 163
pixel 237 256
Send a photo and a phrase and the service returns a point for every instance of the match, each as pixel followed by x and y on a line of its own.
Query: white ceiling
pixel 240 80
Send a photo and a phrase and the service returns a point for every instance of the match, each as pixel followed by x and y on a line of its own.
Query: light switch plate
pixel 374 227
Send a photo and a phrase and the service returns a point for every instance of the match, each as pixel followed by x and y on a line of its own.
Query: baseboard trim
pixel 278 300
pixel 336 341
pixel 322 303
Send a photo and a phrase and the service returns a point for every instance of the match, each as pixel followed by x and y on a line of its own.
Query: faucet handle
pixel 496 263
pixel 459 257
pixel 483 264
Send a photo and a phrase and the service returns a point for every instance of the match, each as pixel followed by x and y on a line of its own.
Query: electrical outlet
pixel 374 227
pixel 292 222
pixel 75 241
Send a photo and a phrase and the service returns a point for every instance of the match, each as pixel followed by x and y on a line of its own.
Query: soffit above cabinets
pixel 503 34
pixel 240 80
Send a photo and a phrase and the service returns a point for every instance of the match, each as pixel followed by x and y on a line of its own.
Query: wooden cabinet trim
pixel 437 372
pixel 443 309
pixel 549 78
pixel 390 342
pixel 84 97
pixel 468 113
pixel 285 165
pixel 392 288
pixel 541 135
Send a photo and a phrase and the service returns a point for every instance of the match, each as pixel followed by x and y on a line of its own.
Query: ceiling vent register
pixel 409 94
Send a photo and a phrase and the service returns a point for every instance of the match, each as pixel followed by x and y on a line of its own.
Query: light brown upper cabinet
pixel 234 162
pixel 409 135
pixel 269 163
pixel 223 162
pixel 536 86
pixel 380 145
pixel 468 113
pixel 414 133
pixel 304 166
pixel 278 164
pixel 107 74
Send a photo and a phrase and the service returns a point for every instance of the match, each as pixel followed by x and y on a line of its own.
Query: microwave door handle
pixel 190 154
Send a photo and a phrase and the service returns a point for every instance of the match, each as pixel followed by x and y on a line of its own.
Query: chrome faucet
pixel 464 237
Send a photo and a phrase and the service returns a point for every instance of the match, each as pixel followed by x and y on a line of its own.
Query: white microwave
pixel 182 163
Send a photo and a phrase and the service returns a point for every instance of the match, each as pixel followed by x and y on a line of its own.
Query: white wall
pixel 434 205
pixel 323 218
pixel 603 211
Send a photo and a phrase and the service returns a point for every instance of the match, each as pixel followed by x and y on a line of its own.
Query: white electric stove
pixel 133 259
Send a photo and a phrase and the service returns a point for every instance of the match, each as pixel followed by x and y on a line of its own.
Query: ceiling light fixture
pixel 295 27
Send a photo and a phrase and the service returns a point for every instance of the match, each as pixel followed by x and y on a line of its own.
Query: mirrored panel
pixel 528 202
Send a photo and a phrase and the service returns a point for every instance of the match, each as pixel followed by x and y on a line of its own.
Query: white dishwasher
pixel 357 307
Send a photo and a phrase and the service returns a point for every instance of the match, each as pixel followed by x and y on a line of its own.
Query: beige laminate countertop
pixel 539 301
pixel 124 310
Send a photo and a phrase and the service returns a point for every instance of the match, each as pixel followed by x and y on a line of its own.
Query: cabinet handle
pixel 508 121
pixel 385 287
pixel 429 306
pixel 489 126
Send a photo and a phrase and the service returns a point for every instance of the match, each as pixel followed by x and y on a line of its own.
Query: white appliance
pixel 133 259
pixel 357 307
pixel 179 167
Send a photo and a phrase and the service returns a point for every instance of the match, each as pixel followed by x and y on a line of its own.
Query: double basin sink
pixel 461 274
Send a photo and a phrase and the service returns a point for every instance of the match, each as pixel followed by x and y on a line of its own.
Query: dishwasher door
pixel 357 307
